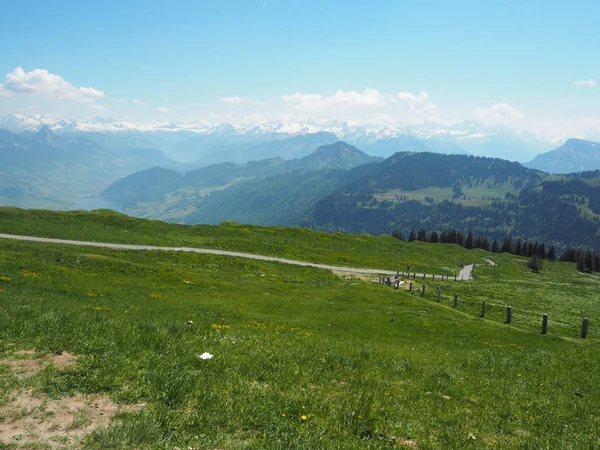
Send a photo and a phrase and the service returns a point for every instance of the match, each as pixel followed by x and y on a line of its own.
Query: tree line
pixel 587 260
pixel 470 240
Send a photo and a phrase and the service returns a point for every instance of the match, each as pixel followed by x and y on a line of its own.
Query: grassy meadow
pixel 303 358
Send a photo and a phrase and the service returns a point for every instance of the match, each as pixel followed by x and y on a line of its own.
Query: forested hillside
pixel 491 197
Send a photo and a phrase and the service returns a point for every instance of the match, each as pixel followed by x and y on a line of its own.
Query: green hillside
pixel 410 190
pixel 302 357
pixel 238 192
pixel 491 197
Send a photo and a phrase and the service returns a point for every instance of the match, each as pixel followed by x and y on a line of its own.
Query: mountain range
pixel 272 174
pixel 173 195
pixel 203 143
pixel 50 170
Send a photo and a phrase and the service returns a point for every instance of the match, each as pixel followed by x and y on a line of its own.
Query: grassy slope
pixel 383 252
pixel 369 367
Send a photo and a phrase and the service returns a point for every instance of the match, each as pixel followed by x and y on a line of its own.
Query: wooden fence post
pixel 414 276
pixel 455 299
pixel 508 314
pixel 545 324
pixel 423 293
pixel 410 288
pixel 433 279
pixel 439 294
pixel 483 308
pixel 423 277
pixel 584 328
pixel 454 277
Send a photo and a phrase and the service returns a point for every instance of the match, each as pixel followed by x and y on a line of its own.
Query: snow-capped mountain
pixel 375 139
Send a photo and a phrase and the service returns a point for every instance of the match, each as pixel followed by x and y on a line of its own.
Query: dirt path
pixel 465 273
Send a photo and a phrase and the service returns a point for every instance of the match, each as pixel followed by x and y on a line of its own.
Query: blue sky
pixel 512 62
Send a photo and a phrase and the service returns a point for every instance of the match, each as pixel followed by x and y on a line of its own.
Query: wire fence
pixel 563 324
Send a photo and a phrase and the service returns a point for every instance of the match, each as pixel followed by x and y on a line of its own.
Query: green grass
pixel 369 366
pixel 382 252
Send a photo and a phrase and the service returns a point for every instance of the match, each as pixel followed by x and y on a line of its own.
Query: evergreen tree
pixel 397 234
pixel 589 261
pixel 535 263
pixel 541 250
pixel 551 253
pixel 507 246
pixel 581 263
pixel 422 236
pixel 433 237
pixel 496 246
pixel 412 236
pixel 484 244
pixel 469 241
pixel 519 247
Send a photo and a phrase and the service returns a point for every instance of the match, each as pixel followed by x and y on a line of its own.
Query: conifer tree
pixel 496 246
pixel 412 236
pixel 469 241
pixel 507 246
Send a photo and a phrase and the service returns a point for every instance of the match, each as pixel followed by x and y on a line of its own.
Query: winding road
pixel 464 274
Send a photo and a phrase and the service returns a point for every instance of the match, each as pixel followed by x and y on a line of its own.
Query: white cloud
pixel 162 109
pixel 419 106
pixel 97 107
pixel 498 114
pixel 137 101
pixel 234 99
pixel 122 100
pixel 41 83
pixel 370 97
pixel 588 83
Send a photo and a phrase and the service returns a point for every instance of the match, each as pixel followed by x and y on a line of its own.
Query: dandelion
pixel 303 417
pixel 3 278
pixel 283 415
pixel 359 417
pixel 27 273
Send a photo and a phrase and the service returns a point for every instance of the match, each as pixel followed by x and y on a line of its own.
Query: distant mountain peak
pixel 47 137
pixel 337 148
pixel 581 143
pixel 575 155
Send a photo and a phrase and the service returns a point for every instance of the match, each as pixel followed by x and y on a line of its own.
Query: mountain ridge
pixel 575 155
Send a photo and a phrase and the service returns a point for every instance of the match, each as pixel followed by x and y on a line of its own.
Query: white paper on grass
pixel 205 355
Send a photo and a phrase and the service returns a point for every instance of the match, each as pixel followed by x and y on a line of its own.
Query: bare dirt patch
pixel 355 276
pixel 23 364
pixel 35 420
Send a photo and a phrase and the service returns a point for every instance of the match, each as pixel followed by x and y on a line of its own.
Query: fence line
pixel 396 280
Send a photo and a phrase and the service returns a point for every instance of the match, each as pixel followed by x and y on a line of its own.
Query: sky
pixel 526 64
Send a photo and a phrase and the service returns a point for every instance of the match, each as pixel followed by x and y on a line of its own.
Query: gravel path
pixel 465 273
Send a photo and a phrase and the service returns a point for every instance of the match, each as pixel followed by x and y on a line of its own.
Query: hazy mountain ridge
pixel 149 185
pixel 190 140
pixel 46 169
pixel 576 155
